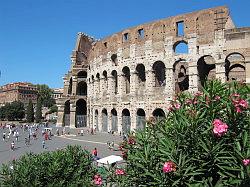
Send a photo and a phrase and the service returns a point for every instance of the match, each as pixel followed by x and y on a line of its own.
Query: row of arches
pixel 234 70
pixel 80 113
pixel 104 126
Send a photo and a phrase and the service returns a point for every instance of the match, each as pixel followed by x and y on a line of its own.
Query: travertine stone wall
pixel 150 69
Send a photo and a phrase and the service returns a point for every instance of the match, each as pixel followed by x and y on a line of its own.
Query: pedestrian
pixel 57 132
pixel 17 136
pixel 4 136
pixel 94 152
pixel 12 146
pixel 43 143
pixel 81 132
pixel 112 144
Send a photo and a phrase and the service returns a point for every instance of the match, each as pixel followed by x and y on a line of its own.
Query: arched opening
pixel 235 67
pixel 105 76
pixel 140 68
pixel 126 75
pixel 96 124
pixel 104 120
pixel 70 86
pixel 160 75
pixel 206 70
pixel 181 78
pixel 81 88
pixel 140 119
pixel 114 81
pixel 82 74
pixel 126 121
pixel 81 113
pixel 181 47
pixel 98 82
pixel 114 120
pixel 66 116
pixel 159 114
pixel 114 59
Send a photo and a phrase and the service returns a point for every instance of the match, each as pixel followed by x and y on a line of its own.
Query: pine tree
pixel 39 110
pixel 30 112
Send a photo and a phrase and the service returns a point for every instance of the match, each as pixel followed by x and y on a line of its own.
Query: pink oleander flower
pixel 97 180
pixel 131 141
pixel 188 101
pixel 235 95
pixel 243 103
pixel 119 172
pixel 246 162
pixel 217 98
pixel 220 128
pixel 177 105
pixel 169 167
pixel 238 110
pixel 198 93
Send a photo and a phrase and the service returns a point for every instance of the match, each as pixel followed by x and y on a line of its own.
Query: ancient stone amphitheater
pixel 115 83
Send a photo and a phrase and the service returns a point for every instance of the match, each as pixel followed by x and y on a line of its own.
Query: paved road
pixel 87 141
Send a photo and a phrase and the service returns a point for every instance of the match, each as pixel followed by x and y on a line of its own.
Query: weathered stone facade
pixel 119 81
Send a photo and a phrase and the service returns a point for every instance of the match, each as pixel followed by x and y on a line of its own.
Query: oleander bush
pixel 71 166
pixel 204 141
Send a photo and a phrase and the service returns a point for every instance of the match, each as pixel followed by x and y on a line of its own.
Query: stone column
pixel 193 76
pixel 102 87
pixel 133 119
pixel 74 85
pixel 66 87
pixel 60 114
pixel 247 70
pixel 150 77
pixel 169 88
pixel 100 120
pixel 72 115
pixel 121 85
pixel 133 82
pixel 119 120
pixel 220 70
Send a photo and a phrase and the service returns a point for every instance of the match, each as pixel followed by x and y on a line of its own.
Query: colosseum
pixel 115 83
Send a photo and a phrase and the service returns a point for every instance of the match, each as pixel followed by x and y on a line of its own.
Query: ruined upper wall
pixel 201 23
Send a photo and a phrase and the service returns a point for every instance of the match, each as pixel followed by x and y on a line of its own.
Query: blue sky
pixel 37 36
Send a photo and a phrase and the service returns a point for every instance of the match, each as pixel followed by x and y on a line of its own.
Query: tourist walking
pixel 17 136
pixel 12 146
pixel 43 143
pixel 4 136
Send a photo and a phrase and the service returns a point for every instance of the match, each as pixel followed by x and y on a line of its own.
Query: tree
pixel 45 93
pixel 12 111
pixel 39 110
pixel 30 112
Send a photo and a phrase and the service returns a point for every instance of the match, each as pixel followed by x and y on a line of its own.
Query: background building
pixel 119 81
pixel 19 91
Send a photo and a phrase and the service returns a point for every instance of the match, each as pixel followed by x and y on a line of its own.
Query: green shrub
pixel 202 142
pixel 71 166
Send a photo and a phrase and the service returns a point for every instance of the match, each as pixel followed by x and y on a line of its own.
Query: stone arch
pixel 114 59
pixel 66 115
pixel 114 81
pixel 206 70
pixel 81 88
pixel 180 47
pixel 114 120
pixel 126 121
pixel 70 86
pixel 159 70
pixel 159 114
pixel 140 70
pixel 140 119
pixel 81 113
pixel 98 82
pixel 181 78
pixel 96 124
pixel 126 75
pixel 104 120
pixel 235 67
pixel 82 74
